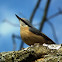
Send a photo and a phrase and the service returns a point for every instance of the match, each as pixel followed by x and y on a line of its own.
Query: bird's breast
pixel 29 37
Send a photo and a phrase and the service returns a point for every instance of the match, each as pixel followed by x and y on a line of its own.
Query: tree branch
pixel 34 53
pixel 15 25
pixel 14 43
pixel 54 15
pixel 21 45
pixel 45 15
pixel 53 31
pixel 34 11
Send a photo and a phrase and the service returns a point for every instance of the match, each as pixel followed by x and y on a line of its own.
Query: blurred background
pixel 45 15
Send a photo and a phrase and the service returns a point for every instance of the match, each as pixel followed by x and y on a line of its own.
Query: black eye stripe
pixel 24 21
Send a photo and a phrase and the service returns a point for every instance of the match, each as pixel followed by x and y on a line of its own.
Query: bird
pixel 30 35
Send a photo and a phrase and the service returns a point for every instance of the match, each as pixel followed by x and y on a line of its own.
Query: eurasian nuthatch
pixel 31 35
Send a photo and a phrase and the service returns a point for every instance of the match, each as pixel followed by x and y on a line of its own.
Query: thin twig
pixel 22 44
pixel 45 15
pixel 53 30
pixel 34 11
pixel 14 43
pixel 15 25
pixel 54 15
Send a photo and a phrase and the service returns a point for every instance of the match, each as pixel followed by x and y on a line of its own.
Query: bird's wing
pixel 37 32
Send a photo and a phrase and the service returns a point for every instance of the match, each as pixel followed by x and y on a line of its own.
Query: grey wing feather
pixel 37 32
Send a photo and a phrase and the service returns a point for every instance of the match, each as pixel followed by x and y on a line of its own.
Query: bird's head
pixel 24 22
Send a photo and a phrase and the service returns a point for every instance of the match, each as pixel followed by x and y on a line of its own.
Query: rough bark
pixel 34 53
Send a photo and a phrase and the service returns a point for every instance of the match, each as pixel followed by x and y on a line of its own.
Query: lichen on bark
pixel 34 53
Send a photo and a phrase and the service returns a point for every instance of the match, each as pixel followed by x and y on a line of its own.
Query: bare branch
pixel 14 43
pixel 54 15
pixel 21 45
pixel 53 31
pixel 45 15
pixel 15 25
pixel 34 11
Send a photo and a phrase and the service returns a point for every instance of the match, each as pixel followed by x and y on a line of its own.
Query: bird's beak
pixel 20 18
